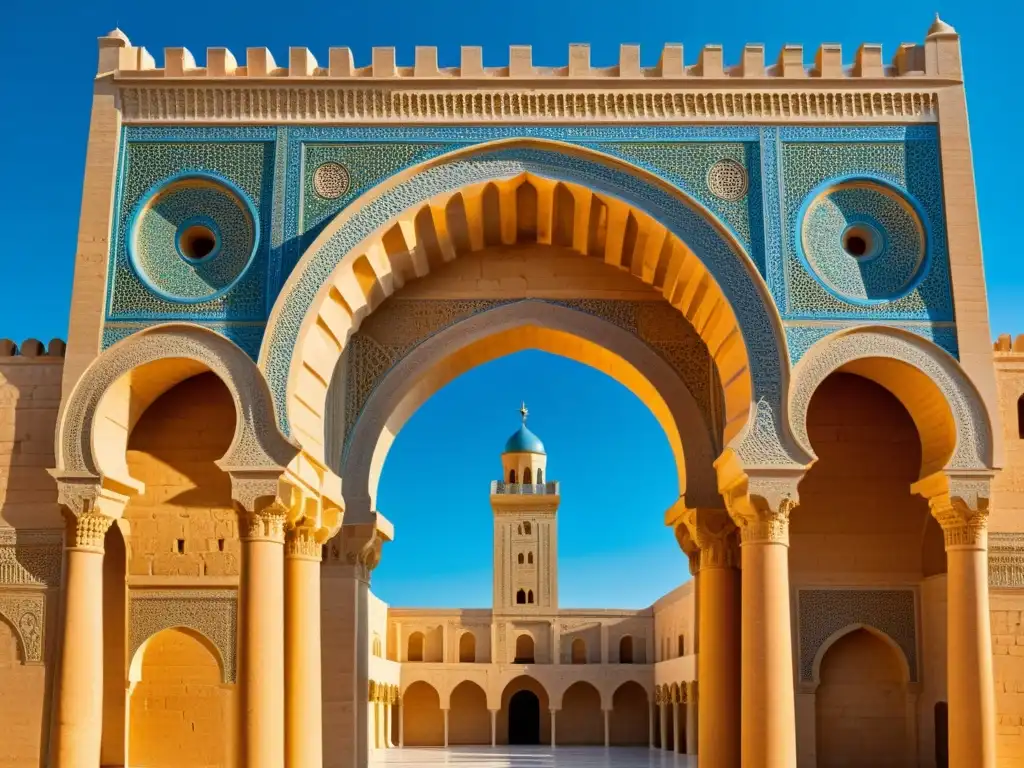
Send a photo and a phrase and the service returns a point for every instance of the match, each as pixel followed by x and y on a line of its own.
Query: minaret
pixel 525 529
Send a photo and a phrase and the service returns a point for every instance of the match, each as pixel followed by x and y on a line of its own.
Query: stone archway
pixel 542 193
pixel 674 380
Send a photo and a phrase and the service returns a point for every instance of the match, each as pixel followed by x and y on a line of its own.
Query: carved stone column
pixel 708 536
pixel 313 515
pixel 304 718
pixel 352 556
pixel 88 512
pixel 262 628
pixel 692 719
pixel 80 683
pixel 960 504
pixel 761 507
pixel 607 727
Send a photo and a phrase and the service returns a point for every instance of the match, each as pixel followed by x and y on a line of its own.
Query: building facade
pixel 277 264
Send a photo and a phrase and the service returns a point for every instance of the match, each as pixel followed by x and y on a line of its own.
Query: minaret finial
pixel 523 411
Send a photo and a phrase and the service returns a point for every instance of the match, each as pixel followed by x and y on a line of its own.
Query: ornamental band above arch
pixel 766 441
pixel 257 441
pixel 974 439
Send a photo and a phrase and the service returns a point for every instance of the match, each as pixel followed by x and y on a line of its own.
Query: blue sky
pixel 614 549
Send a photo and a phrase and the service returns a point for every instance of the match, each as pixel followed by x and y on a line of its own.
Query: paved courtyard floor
pixel 530 757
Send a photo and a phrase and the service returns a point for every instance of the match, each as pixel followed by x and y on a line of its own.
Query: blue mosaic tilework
pixel 248 336
pixel 367 163
pixel 801 338
pixel 892 234
pixel 910 165
pixel 145 165
pixel 154 244
pixel 685 165
pixel 690 224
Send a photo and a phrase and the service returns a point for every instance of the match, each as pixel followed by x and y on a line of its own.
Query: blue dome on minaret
pixel 523 440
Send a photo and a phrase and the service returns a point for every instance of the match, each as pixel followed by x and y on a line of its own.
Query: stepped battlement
pixel 937 57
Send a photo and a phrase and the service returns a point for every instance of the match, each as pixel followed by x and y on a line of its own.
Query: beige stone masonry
pixel 706 90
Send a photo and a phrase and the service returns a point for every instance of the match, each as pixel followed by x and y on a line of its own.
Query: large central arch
pixel 507 329
pixel 540 192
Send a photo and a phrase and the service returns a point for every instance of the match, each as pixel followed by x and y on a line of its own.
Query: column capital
pixel 358 546
pixel 759 501
pixel 960 504
pixel 302 543
pixel 710 530
pixel 88 509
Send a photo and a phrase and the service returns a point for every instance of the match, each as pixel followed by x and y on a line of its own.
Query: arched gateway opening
pixel 524 718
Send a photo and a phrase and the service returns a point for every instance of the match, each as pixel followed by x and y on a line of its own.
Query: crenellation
pixel 938 57
pixel 32 348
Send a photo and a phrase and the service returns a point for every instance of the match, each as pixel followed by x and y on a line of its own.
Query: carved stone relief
pixel 30 557
pixel 26 613
pixel 211 612
pixel 1006 559
pixel 823 612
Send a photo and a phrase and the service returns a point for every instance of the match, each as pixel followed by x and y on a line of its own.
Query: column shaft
pixel 446 727
pixel 80 683
pixel 607 728
pixel 663 720
pixel 768 706
pixel 692 727
pixel 494 727
pixel 650 725
pixel 675 727
pixel 718 666
pixel 972 718
pixel 262 652
pixel 303 701
pixel 401 725
pixel 553 728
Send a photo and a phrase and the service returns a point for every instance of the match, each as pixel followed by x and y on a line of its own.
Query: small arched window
pixel 376 645
pixel 681 651
pixel 626 650
pixel 526 527
pixel 1020 417
pixel 529 557
pixel 520 530
pixel 579 651
pixel 524 650
pixel 520 558
pixel 512 476
pixel 521 597
pixel 415 647
pixel 467 648
pixel 529 596
pixel 540 477
pixel 527 477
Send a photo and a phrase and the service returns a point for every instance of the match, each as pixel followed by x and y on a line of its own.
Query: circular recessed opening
pixel 197 242
pixel 859 242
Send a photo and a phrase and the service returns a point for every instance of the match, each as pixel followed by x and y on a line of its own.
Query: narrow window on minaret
pixel 520 558
pixel 529 558
pixel 540 477
pixel 529 596
pixel 526 528
pixel 521 597
pixel 512 476
pixel 526 476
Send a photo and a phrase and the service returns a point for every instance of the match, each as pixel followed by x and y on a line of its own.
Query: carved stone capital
pixel 960 504
pixel 302 543
pixel 88 510
pixel 358 546
pixel 760 505
pixel 713 534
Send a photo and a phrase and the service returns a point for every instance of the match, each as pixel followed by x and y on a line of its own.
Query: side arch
pixel 951 418
pixel 841 633
pixel 519 191
pixel 139 653
pixel 117 387
pixel 510 328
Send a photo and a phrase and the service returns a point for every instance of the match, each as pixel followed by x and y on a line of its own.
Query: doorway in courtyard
pixel 524 718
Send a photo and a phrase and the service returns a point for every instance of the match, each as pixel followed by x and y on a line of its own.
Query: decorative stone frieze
pixel 1006 560
pixel 25 611
pixel 30 557
pixel 211 612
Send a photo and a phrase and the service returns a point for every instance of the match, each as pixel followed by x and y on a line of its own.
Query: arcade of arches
pixel 188 492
